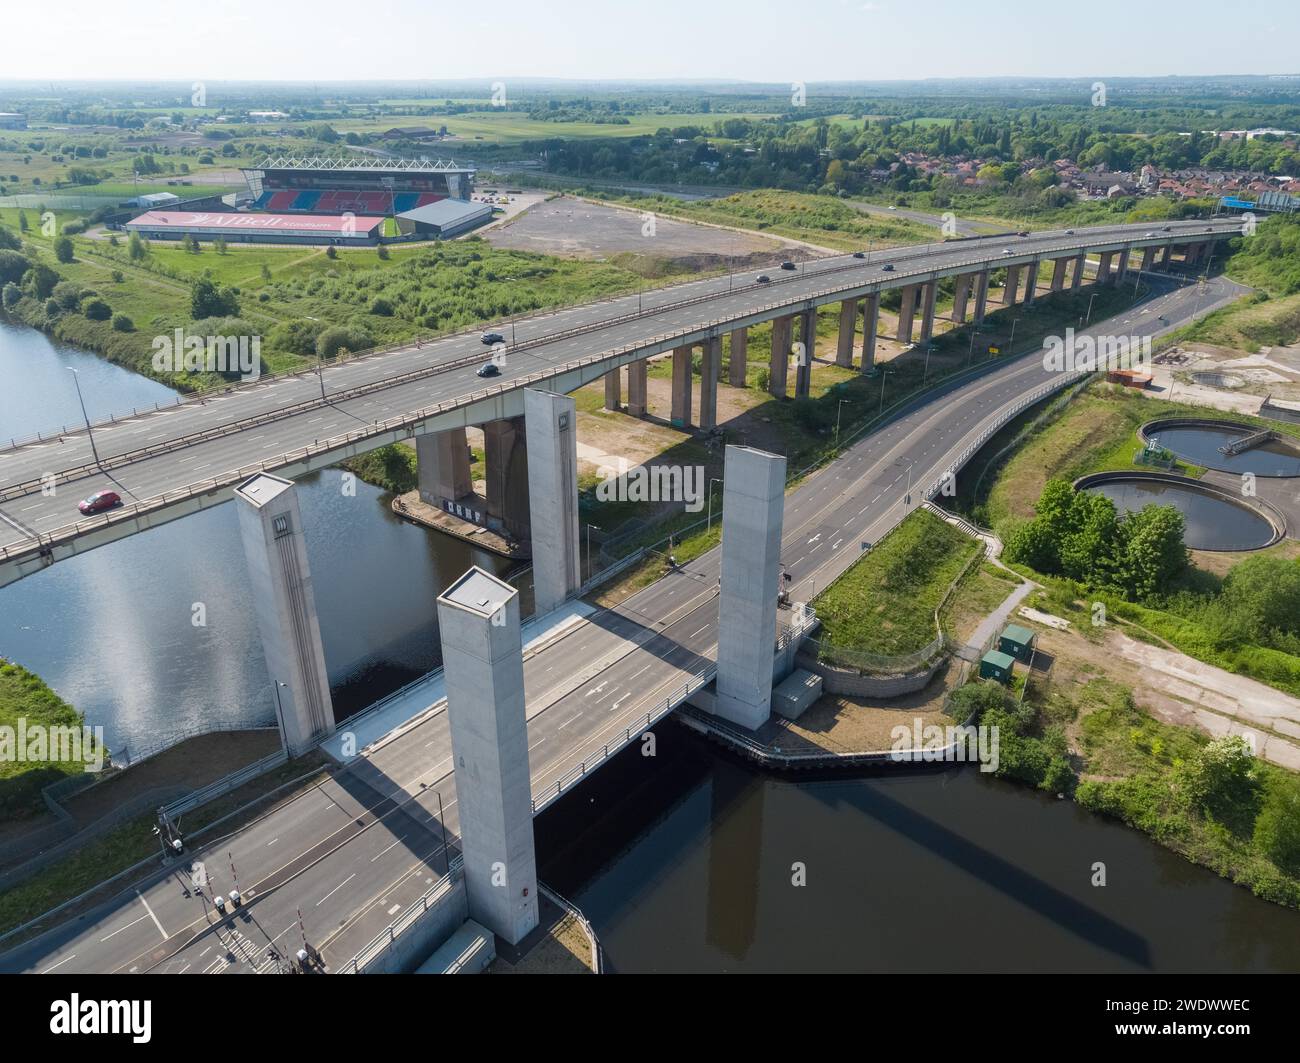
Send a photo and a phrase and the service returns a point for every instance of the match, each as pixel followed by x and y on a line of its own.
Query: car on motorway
pixel 762 278
pixel 1209 228
pixel 787 265
pixel 888 267
pixel 489 338
pixel 859 254
pixel 1146 236
pixel 1167 229
pixel 99 501
pixel 1007 251
pixel 488 369
pixel 1069 232
pixel 1023 232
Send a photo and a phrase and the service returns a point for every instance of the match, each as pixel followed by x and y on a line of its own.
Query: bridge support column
pixel 1013 282
pixel 681 411
pixel 710 369
pixel 270 525
pixel 482 660
pixel 848 330
pixel 1058 273
pixel 906 310
pixel 1080 265
pixel 981 296
pixel 753 492
pixel 1031 282
pixel 1103 268
pixel 636 388
pixel 442 465
pixel 738 357
pixel 1148 259
pixel 808 348
pixel 1166 256
pixel 613 389
pixel 505 453
pixel 960 297
pixel 1121 269
pixel 779 365
pixel 870 323
pixel 551 423
pixel 928 294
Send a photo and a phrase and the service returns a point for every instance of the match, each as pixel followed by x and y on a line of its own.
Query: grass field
pixel 25 697
pixel 885 603
pixel 513 127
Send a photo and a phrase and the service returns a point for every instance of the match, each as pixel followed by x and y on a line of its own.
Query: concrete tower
pixel 270 525
pixel 753 500
pixel 550 424
pixel 483 667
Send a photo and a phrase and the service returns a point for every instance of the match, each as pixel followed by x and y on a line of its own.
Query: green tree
pixel 63 249
pixel 1277 827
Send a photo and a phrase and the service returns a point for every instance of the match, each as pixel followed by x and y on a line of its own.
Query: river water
pixel 112 631
pixel 683 861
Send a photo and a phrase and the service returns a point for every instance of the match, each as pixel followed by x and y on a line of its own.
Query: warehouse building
pixel 444 219
pixel 341 229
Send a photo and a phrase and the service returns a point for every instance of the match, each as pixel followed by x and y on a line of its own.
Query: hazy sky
pixel 759 40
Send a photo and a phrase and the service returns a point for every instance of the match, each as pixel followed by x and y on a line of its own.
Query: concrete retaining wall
pixel 406 951
pixel 855 684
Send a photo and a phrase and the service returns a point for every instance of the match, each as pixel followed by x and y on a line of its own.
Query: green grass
pixel 24 696
pixel 885 603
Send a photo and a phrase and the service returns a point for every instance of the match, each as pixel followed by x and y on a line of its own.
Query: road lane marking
pixel 151 915
pixel 336 889
pixel 60 963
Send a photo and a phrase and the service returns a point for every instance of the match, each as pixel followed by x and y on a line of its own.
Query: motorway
pixel 349 854
pixel 156 460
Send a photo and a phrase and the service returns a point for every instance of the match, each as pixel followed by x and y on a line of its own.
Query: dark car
pixel 762 278
pixel 489 369
pixel 99 501
pixel 1023 232
pixel 1166 229
pixel 490 338
pixel 888 267
pixel 859 254
pixel 787 265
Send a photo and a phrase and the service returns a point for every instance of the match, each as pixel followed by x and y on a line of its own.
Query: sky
pixel 751 40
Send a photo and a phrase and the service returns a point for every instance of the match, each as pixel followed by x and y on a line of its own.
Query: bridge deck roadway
pixel 161 470
pixel 353 852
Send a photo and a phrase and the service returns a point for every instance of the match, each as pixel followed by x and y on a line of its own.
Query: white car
pixel 1007 251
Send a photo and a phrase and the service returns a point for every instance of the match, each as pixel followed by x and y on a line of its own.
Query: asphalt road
pixel 350 854
pixel 30 512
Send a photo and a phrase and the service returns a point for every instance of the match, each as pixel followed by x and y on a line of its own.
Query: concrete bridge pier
pixel 710 370
pixel 681 408
pixel 737 359
pixel 1031 282
pixel 442 466
pixel 1080 267
pixel 906 311
pixel 1013 283
pixel 961 296
pixel 981 296
pixel 482 659
pixel 284 605
pixel 753 489
pixel 779 365
pixel 1148 259
pixel 1166 256
pixel 1059 267
pixel 928 294
pixel 636 388
pixel 847 333
pixel 614 389
pixel 1103 267
pixel 505 453
pixel 551 424
pixel 808 342
pixel 1121 268
pixel 870 323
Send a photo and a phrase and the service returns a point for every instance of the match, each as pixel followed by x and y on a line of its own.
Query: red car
pixel 99 501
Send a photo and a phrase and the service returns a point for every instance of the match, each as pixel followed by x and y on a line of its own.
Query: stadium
pixel 333 201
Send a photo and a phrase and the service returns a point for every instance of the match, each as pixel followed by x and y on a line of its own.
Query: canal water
pixel 1211 522
pixel 111 630
pixel 684 863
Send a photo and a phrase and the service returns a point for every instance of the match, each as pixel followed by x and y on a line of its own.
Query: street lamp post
pixel 839 409
pixel 76 379
pixel 712 480
pixel 589 527
pixel 884 372
pixel 1090 299
pixel 1012 339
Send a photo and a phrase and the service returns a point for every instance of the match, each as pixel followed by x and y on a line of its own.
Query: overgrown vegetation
pixel 25 700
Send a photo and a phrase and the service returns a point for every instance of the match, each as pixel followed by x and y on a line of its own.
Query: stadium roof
pixel 338 224
pixel 289 162
pixel 446 212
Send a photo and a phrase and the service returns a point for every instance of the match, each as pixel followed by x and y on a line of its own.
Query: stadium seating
pixel 338 201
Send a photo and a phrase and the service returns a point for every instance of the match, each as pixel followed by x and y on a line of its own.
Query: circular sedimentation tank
pixel 1199 442
pixel 1215 519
